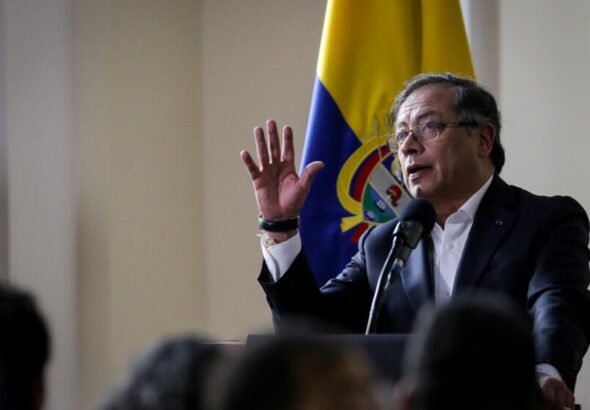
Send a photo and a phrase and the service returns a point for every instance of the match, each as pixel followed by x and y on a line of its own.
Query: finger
pixel 569 399
pixel 559 401
pixel 288 149
pixel 548 393
pixel 558 394
pixel 309 173
pixel 251 166
pixel 553 395
pixel 273 139
pixel 564 397
pixel 261 148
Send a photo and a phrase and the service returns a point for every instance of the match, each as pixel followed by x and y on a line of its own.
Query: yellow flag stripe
pixel 370 48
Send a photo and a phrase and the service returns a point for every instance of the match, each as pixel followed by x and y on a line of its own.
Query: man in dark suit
pixel 488 235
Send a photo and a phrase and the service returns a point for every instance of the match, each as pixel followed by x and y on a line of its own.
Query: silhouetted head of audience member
pixel 296 373
pixel 24 350
pixel 476 352
pixel 173 375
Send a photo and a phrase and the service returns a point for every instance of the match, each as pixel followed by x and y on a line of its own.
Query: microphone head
pixel 420 211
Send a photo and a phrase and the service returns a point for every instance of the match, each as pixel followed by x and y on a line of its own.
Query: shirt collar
pixel 471 205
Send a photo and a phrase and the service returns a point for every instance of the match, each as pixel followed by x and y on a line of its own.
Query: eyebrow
pixel 421 116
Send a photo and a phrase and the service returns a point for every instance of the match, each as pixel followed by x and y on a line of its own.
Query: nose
pixel 410 145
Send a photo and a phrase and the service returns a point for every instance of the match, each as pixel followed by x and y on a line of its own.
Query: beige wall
pixel 544 87
pixel 151 102
pixel 141 260
pixel 168 221
pixel 544 92
pixel 41 171
pixel 259 61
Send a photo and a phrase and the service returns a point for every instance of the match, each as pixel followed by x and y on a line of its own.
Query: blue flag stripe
pixel 329 139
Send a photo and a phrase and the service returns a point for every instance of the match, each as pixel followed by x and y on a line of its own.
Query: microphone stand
pixel 392 266
pixel 406 236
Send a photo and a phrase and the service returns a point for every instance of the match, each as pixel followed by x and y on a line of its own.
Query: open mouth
pixel 416 168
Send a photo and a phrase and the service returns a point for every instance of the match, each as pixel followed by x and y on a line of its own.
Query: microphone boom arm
pixel 406 236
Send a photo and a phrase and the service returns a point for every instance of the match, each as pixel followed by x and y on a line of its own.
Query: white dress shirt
pixel 280 257
pixel 450 242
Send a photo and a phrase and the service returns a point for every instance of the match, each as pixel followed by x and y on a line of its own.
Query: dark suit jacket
pixel 530 248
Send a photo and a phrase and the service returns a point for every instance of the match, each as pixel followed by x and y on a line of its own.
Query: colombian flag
pixel 369 49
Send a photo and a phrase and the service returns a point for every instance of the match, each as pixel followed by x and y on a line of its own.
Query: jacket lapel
pixel 493 220
pixel 417 275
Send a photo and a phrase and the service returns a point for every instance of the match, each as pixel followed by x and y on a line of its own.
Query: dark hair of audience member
pixel 24 350
pixel 291 373
pixel 477 352
pixel 172 375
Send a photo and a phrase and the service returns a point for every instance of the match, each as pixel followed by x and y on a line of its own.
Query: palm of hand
pixel 280 192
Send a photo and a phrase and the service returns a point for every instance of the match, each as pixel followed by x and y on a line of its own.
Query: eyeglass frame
pixel 441 126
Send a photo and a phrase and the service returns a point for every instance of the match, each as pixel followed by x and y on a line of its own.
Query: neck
pixel 443 211
pixel 449 206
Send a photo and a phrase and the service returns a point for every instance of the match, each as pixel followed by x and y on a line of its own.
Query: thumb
pixel 309 173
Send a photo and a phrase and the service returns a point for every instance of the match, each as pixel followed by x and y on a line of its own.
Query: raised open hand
pixel 280 192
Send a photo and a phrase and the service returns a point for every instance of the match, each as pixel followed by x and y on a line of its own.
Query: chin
pixel 420 192
pixel 416 191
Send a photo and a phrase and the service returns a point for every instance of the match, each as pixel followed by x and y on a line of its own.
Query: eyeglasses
pixel 425 132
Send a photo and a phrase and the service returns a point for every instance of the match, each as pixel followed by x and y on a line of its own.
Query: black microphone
pixel 415 222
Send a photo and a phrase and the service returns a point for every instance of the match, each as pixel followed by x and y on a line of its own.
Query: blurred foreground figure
pixel 173 375
pixel 24 351
pixel 290 373
pixel 474 353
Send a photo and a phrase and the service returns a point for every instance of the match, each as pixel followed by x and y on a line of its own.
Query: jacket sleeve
pixel 558 297
pixel 342 304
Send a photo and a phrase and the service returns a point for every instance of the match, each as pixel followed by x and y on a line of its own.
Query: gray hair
pixel 472 103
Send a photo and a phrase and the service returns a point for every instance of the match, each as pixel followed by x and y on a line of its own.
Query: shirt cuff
pixel 548 369
pixel 280 257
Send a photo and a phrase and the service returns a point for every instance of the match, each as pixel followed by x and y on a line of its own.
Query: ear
pixel 403 396
pixel 486 134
